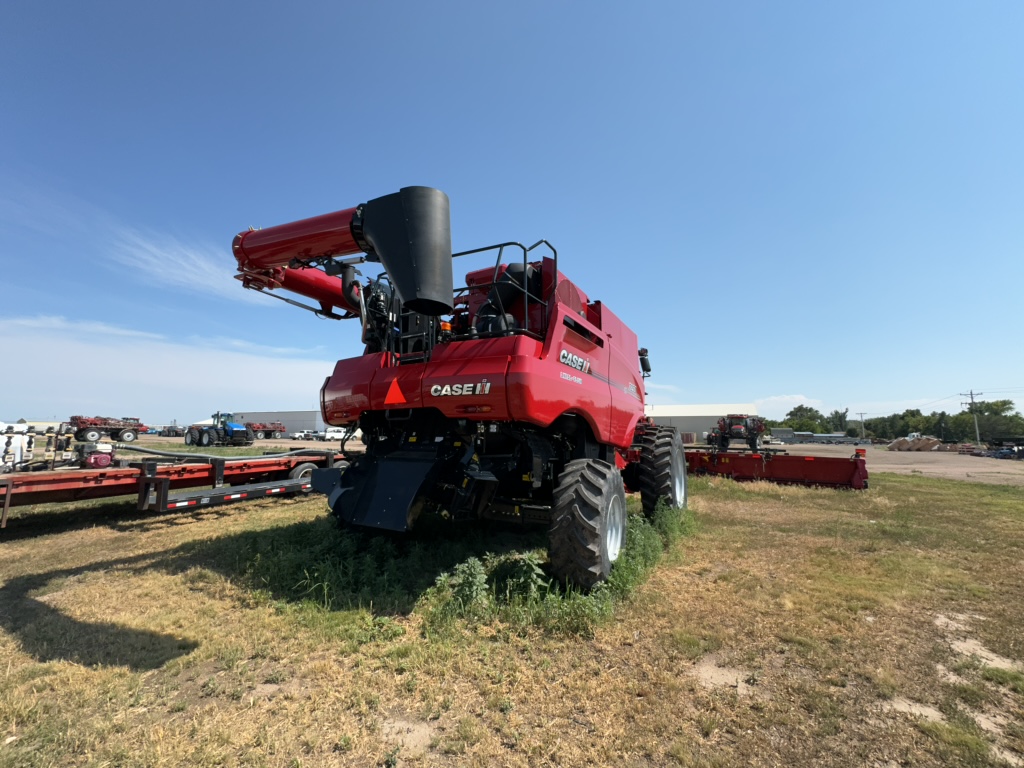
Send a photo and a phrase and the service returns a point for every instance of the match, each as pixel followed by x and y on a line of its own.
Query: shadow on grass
pixel 304 561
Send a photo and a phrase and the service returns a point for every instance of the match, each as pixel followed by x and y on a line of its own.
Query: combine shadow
pixel 30 522
pixel 299 562
pixel 48 634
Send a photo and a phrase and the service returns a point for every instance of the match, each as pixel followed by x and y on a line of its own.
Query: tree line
pixel 995 418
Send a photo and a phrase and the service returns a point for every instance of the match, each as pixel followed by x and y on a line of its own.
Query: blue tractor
pixel 223 431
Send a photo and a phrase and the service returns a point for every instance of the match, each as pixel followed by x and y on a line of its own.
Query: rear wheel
pixel 91 435
pixel 303 471
pixel 206 438
pixel 662 470
pixel 259 434
pixel 128 436
pixel 588 522
pixel 277 435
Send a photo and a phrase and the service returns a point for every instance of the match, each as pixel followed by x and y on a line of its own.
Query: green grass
pixel 264 635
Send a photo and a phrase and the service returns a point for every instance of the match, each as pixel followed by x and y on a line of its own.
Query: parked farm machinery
pixel 90 429
pixel 513 397
pixel 737 426
pixel 222 431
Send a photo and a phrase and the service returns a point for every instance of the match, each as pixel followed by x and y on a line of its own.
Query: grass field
pixel 782 626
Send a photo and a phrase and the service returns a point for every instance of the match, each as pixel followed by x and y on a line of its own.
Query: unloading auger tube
pixel 408 232
pixel 514 398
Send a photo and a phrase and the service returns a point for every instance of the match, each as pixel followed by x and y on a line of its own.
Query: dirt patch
pixel 711 675
pixel 900 704
pixel 413 737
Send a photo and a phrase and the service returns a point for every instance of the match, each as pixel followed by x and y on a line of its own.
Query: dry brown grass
pixel 794 627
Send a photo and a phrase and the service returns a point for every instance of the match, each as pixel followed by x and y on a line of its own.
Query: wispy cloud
pixel 165 261
pixel 59 324
pixel 252 348
pixel 158 378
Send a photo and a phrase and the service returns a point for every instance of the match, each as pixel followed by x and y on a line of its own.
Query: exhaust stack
pixel 409 232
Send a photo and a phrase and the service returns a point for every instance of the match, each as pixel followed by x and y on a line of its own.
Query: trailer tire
pixel 91 435
pixel 588 522
pixel 662 469
pixel 277 435
pixel 128 436
pixel 259 434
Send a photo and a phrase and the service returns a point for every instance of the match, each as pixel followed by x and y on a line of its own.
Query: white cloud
pixel 62 368
pixel 777 406
pixel 164 261
pixel 57 323
pixel 251 347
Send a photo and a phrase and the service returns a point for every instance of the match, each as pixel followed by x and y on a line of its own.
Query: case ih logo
pixel 480 388
pixel 573 361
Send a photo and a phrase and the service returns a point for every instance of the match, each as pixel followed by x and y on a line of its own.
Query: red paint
pixel 782 468
pixel 527 380
pixel 316 237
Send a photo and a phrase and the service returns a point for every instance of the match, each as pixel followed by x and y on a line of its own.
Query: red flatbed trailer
pixel 780 467
pixel 222 481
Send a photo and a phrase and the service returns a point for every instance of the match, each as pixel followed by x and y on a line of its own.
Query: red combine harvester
pixel 515 397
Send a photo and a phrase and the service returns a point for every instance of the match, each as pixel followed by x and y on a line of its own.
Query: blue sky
pixel 788 202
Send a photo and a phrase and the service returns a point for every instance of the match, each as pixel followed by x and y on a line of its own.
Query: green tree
pixel 836 420
pixel 803 418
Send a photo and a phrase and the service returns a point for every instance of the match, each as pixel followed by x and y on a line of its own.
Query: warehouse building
pixel 695 421
pixel 294 421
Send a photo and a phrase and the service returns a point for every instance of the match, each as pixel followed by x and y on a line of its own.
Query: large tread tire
pixel 128 436
pixel 206 438
pixel 260 434
pixel 192 436
pixel 588 522
pixel 91 435
pixel 662 470
pixel 277 435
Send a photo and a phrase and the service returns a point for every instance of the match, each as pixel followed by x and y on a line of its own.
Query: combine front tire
pixel 662 470
pixel 588 522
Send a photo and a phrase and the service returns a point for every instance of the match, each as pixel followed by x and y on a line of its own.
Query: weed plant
pixel 459 577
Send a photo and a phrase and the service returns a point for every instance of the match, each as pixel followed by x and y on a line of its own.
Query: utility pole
pixel 972 394
pixel 861 414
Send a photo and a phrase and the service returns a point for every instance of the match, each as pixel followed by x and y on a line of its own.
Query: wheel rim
pixel 679 477
pixel 615 531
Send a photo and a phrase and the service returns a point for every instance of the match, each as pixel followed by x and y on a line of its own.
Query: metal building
pixel 294 421
pixel 697 420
